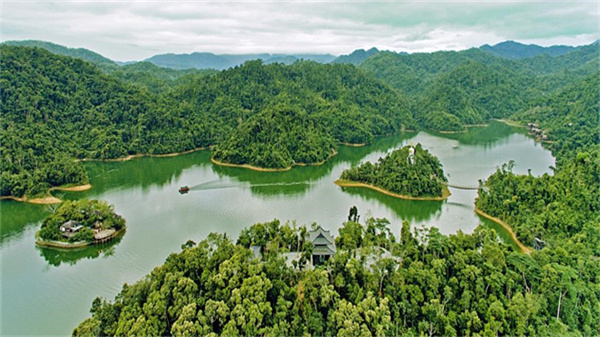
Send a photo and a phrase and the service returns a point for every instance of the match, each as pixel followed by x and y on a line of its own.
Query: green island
pixel 58 108
pixel 58 111
pixel 288 280
pixel 408 173
pixel 75 224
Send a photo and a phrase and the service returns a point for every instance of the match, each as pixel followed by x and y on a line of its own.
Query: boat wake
pixel 217 184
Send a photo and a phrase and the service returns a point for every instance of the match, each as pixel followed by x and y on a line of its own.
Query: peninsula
pixel 80 223
pixel 408 173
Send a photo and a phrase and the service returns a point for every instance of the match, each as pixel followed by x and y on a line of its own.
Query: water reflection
pixel 17 215
pixel 56 256
pixel 411 210
pixel 144 172
pixel 300 179
pixel 496 133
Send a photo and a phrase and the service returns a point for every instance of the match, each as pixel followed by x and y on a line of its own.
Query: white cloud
pixel 137 30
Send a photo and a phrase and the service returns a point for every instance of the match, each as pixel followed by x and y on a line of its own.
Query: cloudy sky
pixel 134 30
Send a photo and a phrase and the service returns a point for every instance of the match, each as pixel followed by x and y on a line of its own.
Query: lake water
pixel 48 292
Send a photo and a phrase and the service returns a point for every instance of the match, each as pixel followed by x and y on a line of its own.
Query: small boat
pixel 184 189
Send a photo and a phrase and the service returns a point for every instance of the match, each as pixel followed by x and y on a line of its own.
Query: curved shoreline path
pixel 80 244
pixel 142 155
pixel 522 247
pixel 48 200
pixel 263 169
pixel 347 183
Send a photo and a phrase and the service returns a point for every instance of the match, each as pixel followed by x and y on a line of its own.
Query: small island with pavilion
pixel 410 172
pixel 80 223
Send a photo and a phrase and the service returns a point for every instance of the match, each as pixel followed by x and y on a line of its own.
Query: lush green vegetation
pixel 156 79
pixel 562 209
pixel 516 50
pixel 91 214
pixel 356 57
pixel 80 53
pixel 397 172
pixel 449 90
pixel 428 284
pixel 57 108
pixel 277 137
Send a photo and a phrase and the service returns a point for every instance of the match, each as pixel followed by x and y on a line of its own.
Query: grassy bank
pixel 348 183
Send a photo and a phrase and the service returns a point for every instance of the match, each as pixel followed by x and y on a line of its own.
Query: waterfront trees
pixel 428 284
pixel 410 171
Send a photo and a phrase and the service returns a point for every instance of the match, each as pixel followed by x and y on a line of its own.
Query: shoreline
pixel 511 123
pixel 262 169
pixel 80 244
pixel 49 199
pixel 318 163
pixel 353 144
pixel 451 132
pixel 461 131
pixel 133 156
pixel 250 167
pixel 524 249
pixel 38 201
pixel 77 188
pixel 347 183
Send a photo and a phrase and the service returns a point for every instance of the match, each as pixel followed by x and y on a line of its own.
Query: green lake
pixel 48 292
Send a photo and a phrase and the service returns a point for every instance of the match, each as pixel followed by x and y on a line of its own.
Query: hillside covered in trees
pixel 408 171
pixel 425 283
pixel 450 90
pixel 56 109
pixel 563 207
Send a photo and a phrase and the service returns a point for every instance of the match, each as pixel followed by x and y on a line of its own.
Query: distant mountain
pixel 188 61
pixel 79 53
pixel 516 50
pixel 583 59
pixel 226 61
pixel 357 56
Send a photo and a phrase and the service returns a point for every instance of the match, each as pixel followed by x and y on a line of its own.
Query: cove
pixel 48 291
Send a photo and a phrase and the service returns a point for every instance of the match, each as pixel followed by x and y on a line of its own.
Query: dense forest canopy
pixel 563 207
pixel 449 90
pixel 90 214
pixel 57 108
pixel 416 175
pixel 424 283
pixel 516 50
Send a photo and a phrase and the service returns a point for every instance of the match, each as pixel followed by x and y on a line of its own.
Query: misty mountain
pixel 226 61
pixel 357 56
pixel 516 50
pixel 54 48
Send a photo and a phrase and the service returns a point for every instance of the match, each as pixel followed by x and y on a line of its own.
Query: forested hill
pixel 81 53
pixel 356 57
pixel 341 102
pixel 570 118
pixel 516 50
pixel 57 108
pixel 416 175
pixel 562 209
pixel 449 90
pixel 424 284
pixel 221 62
